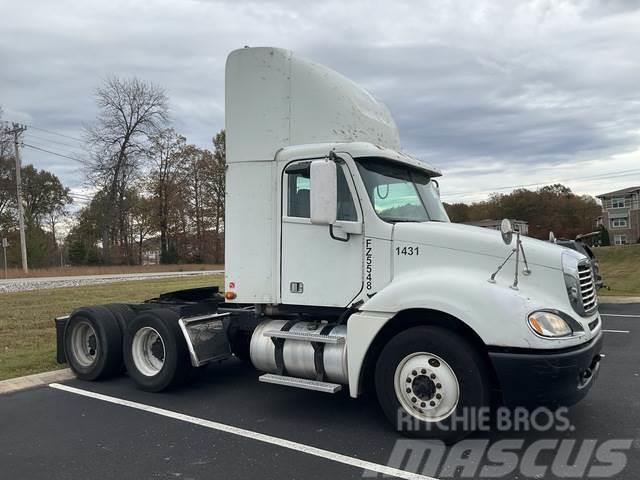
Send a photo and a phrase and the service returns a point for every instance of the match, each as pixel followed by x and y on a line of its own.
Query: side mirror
pixel 436 185
pixel 506 229
pixel 324 192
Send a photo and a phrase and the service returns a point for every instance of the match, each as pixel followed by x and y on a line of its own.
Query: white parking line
pixel 261 437
pixel 618 315
pixel 615 331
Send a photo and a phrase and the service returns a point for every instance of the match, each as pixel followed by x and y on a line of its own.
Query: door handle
pixel 340 239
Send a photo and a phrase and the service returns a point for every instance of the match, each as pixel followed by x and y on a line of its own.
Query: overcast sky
pixel 494 93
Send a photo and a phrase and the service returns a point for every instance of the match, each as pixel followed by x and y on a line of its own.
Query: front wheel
pixel 431 383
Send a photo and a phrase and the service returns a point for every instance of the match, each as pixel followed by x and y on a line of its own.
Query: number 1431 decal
pixel 407 251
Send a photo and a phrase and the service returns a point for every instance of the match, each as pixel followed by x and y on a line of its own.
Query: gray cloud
pixel 475 86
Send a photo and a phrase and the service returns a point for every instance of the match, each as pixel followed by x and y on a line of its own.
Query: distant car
pixel 580 246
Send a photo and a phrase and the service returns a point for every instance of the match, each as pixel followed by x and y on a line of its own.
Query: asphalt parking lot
pixel 227 425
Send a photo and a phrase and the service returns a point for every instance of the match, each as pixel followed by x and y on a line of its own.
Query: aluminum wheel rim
pixel 84 343
pixel 148 351
pixel 426 387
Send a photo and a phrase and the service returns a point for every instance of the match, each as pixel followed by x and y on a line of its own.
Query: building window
pixel 619 222
pixel 617 203
pixel 620 239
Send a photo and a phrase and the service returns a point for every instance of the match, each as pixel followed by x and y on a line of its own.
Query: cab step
pixel 304 383
pixel 303 336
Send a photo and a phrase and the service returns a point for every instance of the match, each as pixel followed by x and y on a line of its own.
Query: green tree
pixel 43 195
pixel 85 236
pixel 77 252
pixel 551 208
pixel 216 190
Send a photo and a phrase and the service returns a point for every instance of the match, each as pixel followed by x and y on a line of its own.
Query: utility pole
pixel 5 244
pixel 17 130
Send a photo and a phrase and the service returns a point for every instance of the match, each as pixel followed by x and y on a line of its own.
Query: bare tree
pixel 195 163
pixel 131 111
pixel 166 154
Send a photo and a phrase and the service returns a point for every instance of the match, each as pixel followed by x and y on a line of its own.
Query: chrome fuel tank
pixel 299 355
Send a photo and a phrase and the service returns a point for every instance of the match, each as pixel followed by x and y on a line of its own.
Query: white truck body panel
pixel 250 244
pixel 274 100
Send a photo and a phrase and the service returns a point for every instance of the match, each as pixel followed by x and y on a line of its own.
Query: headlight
pixel 549 324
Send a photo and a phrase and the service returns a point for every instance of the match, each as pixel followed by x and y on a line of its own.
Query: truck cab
pixel 343 269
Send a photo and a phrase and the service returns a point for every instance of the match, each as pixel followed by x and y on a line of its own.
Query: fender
pixel 495 312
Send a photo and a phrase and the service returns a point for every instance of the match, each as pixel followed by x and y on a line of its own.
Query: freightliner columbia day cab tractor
pixel 342 270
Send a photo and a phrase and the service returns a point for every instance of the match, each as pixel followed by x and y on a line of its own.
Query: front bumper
pixel 547 377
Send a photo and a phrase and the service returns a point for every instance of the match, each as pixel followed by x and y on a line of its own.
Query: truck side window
pixel 298 198
pixel 346 208
pixel 298 201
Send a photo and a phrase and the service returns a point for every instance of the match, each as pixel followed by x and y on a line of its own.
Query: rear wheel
pixel 428 381
pixel 93 343
pixel 123 313
pixel 155 352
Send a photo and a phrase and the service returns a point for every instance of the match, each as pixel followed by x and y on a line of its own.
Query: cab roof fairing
pixel 356 150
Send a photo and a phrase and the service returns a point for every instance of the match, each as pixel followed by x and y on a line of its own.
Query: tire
pixel 93 343
pixel 124 314
pixel 155 353
pixel 426 379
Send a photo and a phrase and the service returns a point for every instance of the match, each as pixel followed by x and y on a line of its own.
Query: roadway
pixel 36 283
pixel 227 425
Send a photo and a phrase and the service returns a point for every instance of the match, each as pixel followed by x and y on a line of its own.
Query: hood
pixel 481 241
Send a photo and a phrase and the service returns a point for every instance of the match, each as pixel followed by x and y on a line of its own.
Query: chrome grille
pixel 587 287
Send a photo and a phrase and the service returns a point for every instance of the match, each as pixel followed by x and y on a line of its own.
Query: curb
pixel 36 380
pixel 605 299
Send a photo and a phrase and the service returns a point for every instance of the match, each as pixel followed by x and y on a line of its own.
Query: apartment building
pixel 621 215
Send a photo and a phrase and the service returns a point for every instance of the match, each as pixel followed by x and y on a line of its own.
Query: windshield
pixel 400 193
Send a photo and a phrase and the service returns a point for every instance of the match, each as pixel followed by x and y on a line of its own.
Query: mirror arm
pixel 338 238
pixel 515 278
pixel 492 279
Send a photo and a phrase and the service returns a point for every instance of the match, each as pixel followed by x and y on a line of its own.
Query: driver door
pixel 319 268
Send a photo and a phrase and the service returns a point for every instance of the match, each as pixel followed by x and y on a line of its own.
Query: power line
pixel 52 141
pixel 84 162
pixel 56 133
pixel 79 196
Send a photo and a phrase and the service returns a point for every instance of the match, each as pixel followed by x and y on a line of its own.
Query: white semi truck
pixel 342 270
